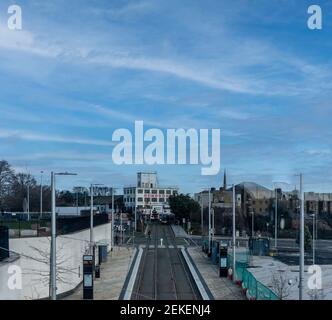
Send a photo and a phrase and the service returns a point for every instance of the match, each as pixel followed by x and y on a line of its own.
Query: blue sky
pixel 81 69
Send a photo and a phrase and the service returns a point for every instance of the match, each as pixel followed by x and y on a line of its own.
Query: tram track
pixel 163 273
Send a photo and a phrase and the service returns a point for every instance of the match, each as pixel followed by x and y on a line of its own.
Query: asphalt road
pixel 288 250
pixel 163 273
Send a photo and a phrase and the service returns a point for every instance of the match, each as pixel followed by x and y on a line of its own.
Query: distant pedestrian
pixel 149 235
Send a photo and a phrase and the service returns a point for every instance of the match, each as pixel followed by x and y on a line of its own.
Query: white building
pixel 148 195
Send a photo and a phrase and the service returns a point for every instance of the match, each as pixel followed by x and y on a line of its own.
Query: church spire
pixel 225 180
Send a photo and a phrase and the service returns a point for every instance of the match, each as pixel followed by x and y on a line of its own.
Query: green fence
pixel 256 290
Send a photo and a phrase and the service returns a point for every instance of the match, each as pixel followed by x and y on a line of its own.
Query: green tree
pixel 307 238
pixel 183 206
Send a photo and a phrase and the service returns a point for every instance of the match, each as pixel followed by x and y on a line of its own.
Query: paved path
pixel 221 288
pixel 179 232
pixel 113 274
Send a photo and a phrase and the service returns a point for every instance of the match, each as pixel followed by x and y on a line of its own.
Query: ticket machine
pixel 223 271
pixel 88 262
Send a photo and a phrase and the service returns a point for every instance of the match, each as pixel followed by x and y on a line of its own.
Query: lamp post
pixel 53 234
pixel 135 217
pixel 41 193
pixel 301 262
pixel 202 215
pixel 76 201
pixel 213 228
pixel 276 219
pixel 112 224
pixel 28 199
pixel 209 221
pixel 313 238
pixel 234 234
pixel 113 210
pixel 252 223
pixel 92 186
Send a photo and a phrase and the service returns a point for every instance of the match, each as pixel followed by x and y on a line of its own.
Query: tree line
pixel 17 187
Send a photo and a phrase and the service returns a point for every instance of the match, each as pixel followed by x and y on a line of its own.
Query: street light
pixel 53 234
pixel 276 219
pixel 202 216
pixel 209 220
pixel 92 185
pixel 252 222
pixel 313 238
pixel 301 262
pixel 112 222
pixel 41 193
pixel 28 200
pixel 234 233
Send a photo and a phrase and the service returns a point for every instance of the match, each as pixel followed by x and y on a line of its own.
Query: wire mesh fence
pixel 254 289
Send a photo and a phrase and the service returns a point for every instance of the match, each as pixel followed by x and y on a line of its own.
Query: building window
pixel 139 199
pixel 140 191
pixel 168 191
pixel 161 191
pixel 154 191
pixel 154 199
pixel 147 191
pixel 161 200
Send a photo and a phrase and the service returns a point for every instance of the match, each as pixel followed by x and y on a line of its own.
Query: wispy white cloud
pixel 227 73
pixel 42 137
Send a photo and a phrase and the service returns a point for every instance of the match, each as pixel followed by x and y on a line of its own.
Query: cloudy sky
pixel 81 69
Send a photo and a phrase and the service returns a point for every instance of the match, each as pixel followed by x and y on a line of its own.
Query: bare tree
pixel 6 180
pixel 42 275
pixel 280 284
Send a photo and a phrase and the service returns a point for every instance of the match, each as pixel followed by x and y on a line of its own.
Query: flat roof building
pixel 147 195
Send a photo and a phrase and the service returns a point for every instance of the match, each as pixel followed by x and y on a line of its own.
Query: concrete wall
pixel 35 272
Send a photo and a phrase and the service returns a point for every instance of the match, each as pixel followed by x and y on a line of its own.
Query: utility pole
pixel 313 237
pixel 234 235
pixel 121 228
pixel 252 223
pixel 53 234
pixel 53 241
pixel 209 221
pixel 112 217
pixel 28 196
pixel 41 193
pixel 135 216
pixel 91 217
pixel 213 228
pixel 202 215
pixel 77 202
pixel 301 240
pixel 276 219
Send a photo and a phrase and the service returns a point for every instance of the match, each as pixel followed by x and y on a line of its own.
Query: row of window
pixel 146 200
pixel 148 191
